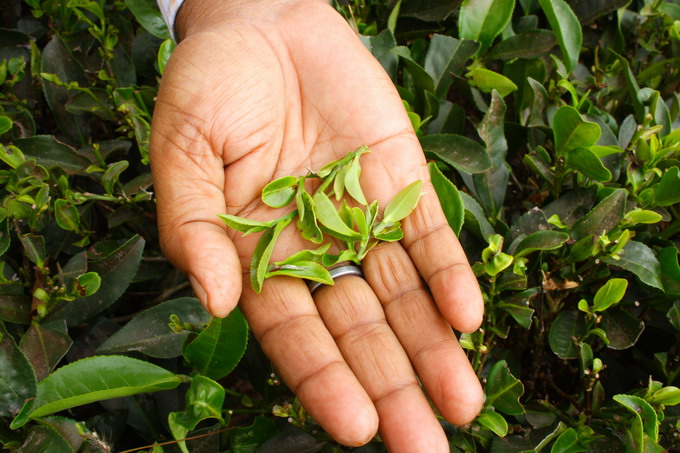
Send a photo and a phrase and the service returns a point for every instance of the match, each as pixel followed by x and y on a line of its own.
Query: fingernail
pixel 200 292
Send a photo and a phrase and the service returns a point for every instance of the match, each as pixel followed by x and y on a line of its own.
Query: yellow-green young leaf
pixel 339 183
pixel 352 185
pixel 309 270
pixel 305 255
pixel 487 81
pixel 280 192
pixel 329 217
pixel 392 234
pixel 644 414
pixel 638 216
pixel 263 251
pixel 668 396
pixel 609 294
pixel 87 284
pixel 494 421
pixel 66 215
pixel 329 260
pixel 359 217
pixel 567 442
pixel 110 176
pixel 5 124
pixel 245 225
pixel 403 203
pixel 306 222
pixel 11 155
pixel 95 379
pixel 164 52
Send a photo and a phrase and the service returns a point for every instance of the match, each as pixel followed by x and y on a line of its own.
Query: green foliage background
pixel 552 130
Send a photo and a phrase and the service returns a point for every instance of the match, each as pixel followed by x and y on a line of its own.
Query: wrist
pixel 199 15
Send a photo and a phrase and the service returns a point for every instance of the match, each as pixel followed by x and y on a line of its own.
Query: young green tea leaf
pixel 330 260
pixel 245 225
pixel 305 255
pixel 402 204
pixel 487 81
pixel 280 192
pixel 309 270
pixel 609 294
pixel 351 179
pixel 263 251
pixel 329 217
pixel 66 215
pixel 306 222
pixel 494 421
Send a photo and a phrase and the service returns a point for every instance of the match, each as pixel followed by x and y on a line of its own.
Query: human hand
pixel 261 89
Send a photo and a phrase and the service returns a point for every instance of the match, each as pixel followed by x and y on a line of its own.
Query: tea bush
pixel 552 132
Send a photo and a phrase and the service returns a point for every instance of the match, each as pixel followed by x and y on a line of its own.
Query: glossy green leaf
pixel 528 44
pixel 567 442
pixel 263 251
pixel 12 156
pixel 66 215
pixel 522 314
pixel 164 51
pixel 503 390
pixel 603 217
pixel 475 219
pixel 637 216
pixel 586 162
pixel 148 332
pixel 445 57
pixel 309 270
pixel 494 421
pixel 666 192
pixel 87 284
pixel 245 225
pixel 45 347
pixel 571 131
pixel 280 192
pixel 540 240
pixel 449 198
pixel 567 29
pixel 116 269
pixel 5 124
pixel 609 294
pixel 460 152
pixel 668 396
pixel 330 260
pixel 487 81
pixel 567 327
pixel 95 379
pixel 50 153
pixel 328 216
pixel 639 259
pixel 44 438
pixel 403 203
pixel 220 346
pixel 352 181
pixel 391 234
pixel 34 248
pixel 670 270
pixel 204 401
pixel 147 14
pixel 622 328
pixel 305 255
pixel 17 378
pixel 483 20
pixel 642 410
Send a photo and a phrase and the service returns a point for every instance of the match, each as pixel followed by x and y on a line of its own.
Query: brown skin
pixel 262 89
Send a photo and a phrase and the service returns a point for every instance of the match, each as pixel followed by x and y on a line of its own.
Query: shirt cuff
pixel 169 10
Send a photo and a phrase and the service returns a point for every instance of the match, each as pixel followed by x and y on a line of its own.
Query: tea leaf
pixel 307 223
pixel 329 217
pixel 17 378
pixel 305 255
pixel 494 421
pixel 483 20
pixel 503 390
pixel 567 29
pixel 572 131
pixel 609 294
pixel 45 347
pixel 623 329
pixel 639 259
pixel 280 192
pixel 460 152
pixel 351 179
pixel 245 225
pixel 263 251
pixel 402 204
pixel 565 329
pixel 586 162
pixel 309 270
pixel 487 81
pixel 66 215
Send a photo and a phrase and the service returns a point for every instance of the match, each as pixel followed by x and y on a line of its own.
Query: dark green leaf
pixel 622 328
pixel 66 215
pixel 567 29
pixel 609 294
pixel 96 101
pixel 666 192
pixel 603 217
pixel 219 348
pixel 15 308
pixel 249 438
pixel 34 248
pixel 204 400
pixel 567 328
pixel 528 44
pixel 673 315
pixel 149 333
pixel 483 20
pixel 147 14
pixel 539 101
pixel 309 270
pixel 45 438
pixel 572 131
pixel 45 347
pixel 280 192
pixel 49 152
pixel 503 390
pixel 17 378
pixel 116 269
pixel 639 259
pixel 381 47
pixel 670 270
pixel 95 379
pixel 487 81
pixel 111 175
pixel 585 161
pixel 460 152
pixel 523 315
pixel 446 57
pixel 475 219
pixel 449 198
pixel 494 421
pixel 589 10
pixel 540 240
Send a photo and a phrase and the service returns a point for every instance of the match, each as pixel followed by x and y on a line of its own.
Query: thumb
pixel 189 184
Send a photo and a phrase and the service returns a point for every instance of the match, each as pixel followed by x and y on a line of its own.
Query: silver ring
pixel 338 272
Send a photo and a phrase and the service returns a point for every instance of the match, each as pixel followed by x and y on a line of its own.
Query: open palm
pixel 249 97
